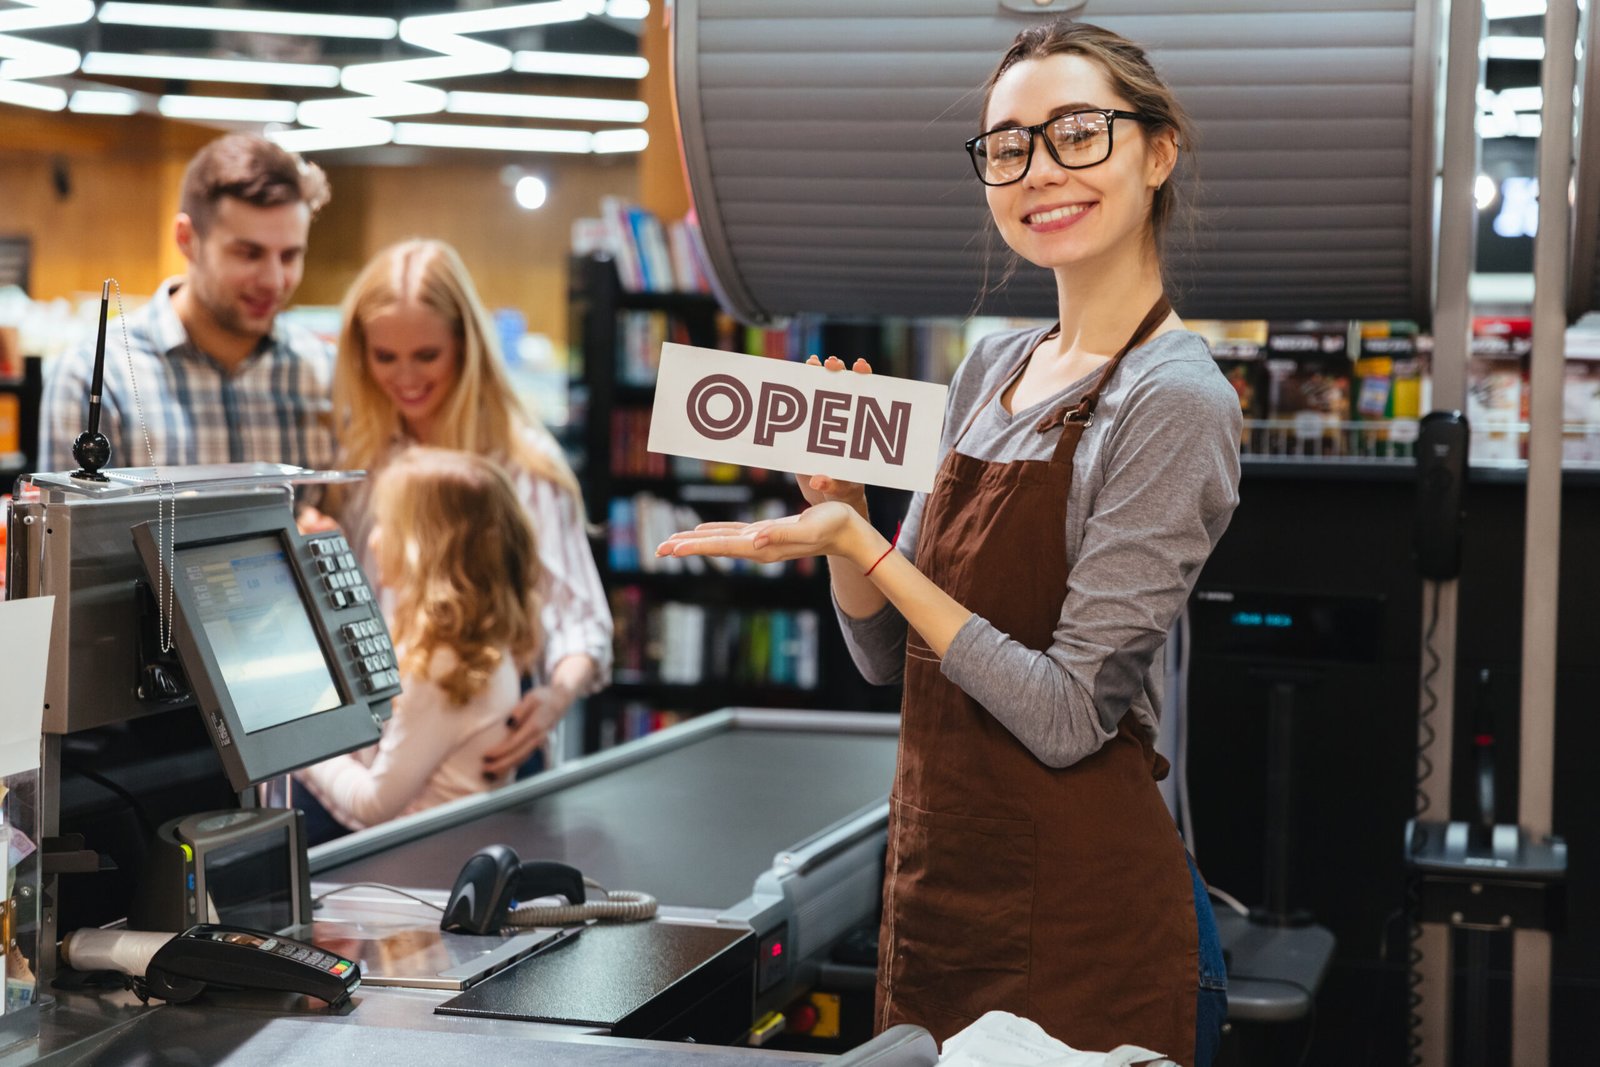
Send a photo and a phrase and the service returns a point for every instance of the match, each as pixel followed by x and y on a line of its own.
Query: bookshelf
pixel 691 635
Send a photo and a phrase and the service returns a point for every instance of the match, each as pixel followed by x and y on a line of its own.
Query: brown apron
pixel 1058 894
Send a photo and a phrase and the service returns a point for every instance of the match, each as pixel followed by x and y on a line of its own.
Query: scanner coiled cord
pixel 621 905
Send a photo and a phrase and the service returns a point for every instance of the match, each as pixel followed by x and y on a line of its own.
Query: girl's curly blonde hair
pixel 457 551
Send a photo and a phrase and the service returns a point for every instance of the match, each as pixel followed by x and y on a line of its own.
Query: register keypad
pixel 342 579
pixel 366 640
pixel 368 644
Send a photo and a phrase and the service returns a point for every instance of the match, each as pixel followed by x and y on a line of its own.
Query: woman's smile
pixel 1053 219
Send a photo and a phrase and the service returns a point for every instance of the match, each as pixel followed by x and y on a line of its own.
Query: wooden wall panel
pixel 125 175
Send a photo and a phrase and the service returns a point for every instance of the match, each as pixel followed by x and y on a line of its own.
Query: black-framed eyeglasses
pixel 1075 140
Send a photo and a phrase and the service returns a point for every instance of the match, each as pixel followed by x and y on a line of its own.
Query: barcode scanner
pixel 494 879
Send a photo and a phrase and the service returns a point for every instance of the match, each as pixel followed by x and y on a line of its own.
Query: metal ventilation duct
pixel 1583 294
pixel 823 146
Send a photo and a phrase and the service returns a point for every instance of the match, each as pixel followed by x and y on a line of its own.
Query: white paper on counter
pixel 868 428
pixel 25 635
pixel 1001 1039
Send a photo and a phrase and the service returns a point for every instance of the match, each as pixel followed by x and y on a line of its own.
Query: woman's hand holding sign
pixel 865 572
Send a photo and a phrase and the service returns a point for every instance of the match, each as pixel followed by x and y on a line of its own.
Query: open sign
pixel 786 416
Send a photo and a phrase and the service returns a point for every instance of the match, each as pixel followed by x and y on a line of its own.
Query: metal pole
pixel 1530 979
pixel 1452 331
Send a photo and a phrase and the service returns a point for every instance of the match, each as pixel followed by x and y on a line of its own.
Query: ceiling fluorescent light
pixel 1492 126
pixel 1494 10
pixel 183 17
pixel 27 94
pixel 628 9
pixel 102 102
pixel 1513 48
pixel 130 65
pixel 32 59
pixel 608 141
pixel 355 135
pixel 520 105
pixel 226 109
pixel 42 14
pixel 580 64
pixel 386 101
pixel 440 135
pixel 489 20
pixel 1520 98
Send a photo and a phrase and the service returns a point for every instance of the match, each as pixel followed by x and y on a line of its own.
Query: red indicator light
pixel 777 949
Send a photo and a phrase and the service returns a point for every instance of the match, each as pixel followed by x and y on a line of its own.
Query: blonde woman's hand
pixel 311 521
pixel 831 528
pixel 820 488
pixel 527 728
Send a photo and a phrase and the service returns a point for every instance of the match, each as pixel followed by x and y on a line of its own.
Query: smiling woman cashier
pixel 1088 471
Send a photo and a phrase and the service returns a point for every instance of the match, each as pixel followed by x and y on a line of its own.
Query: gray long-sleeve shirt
pixel 1155 481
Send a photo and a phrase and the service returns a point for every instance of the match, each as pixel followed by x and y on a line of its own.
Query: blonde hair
pixel 457 550
pixel 481 414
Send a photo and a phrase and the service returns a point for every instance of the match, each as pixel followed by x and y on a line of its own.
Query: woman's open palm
pixel 814 532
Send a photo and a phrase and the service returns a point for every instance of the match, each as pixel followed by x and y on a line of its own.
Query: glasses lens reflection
pixel 1077 140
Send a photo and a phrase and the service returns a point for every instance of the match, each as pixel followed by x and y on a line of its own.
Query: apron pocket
pixel 962 912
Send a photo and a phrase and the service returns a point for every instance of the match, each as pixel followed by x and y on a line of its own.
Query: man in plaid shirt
pixel 220 378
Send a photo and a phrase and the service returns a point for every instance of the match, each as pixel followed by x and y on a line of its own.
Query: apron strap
pixel 1005 380
pixel 1081 414
pixel 1060 416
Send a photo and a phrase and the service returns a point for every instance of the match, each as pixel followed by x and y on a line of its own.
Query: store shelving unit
pixel 691 636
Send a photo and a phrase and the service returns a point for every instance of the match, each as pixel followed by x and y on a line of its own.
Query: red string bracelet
pixel 886 552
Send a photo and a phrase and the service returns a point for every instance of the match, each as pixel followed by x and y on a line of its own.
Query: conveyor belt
pixel 693 825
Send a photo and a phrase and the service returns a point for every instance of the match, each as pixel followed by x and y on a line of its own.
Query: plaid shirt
pixel 274 408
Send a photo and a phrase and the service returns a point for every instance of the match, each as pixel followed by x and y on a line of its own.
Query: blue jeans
pixel 1212 1006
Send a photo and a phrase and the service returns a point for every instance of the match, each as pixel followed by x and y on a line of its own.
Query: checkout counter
pixel 775 809
pixel 761 833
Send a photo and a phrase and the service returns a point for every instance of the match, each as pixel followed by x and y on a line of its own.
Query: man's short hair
pixel 252 169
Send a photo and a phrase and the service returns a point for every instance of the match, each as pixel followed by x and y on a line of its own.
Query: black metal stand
pixel 1276 847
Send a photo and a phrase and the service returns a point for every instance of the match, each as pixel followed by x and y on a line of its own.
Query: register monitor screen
pixel 279 636
pixel 249 606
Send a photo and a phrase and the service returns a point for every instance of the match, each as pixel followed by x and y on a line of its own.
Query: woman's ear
pixel 1163 157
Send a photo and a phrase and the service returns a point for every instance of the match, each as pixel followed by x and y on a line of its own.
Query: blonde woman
pixel 418 362
pixel 460 562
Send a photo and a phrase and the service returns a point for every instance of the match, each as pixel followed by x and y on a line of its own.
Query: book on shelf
pixel 651 257
pixel 637 523
pixel 676 642
pixel 634 720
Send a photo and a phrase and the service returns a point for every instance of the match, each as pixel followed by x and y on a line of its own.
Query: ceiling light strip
pixel 442 135
pixel 611 142
pixel 254 72
pixel 1495 10
pixel 628 9
pixel 354 135
pixel 580 64
pixel 489 20
pixel 42 14
pixel 27 94
pixel 528 106
pixel 180 16
pixel 102 102
pixel 1512 48
pixel 25 58
pixel 226 109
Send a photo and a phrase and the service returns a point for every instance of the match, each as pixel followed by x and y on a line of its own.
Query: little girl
pixel 456 559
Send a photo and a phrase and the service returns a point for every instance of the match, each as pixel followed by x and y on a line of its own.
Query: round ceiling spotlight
pixel 531 193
